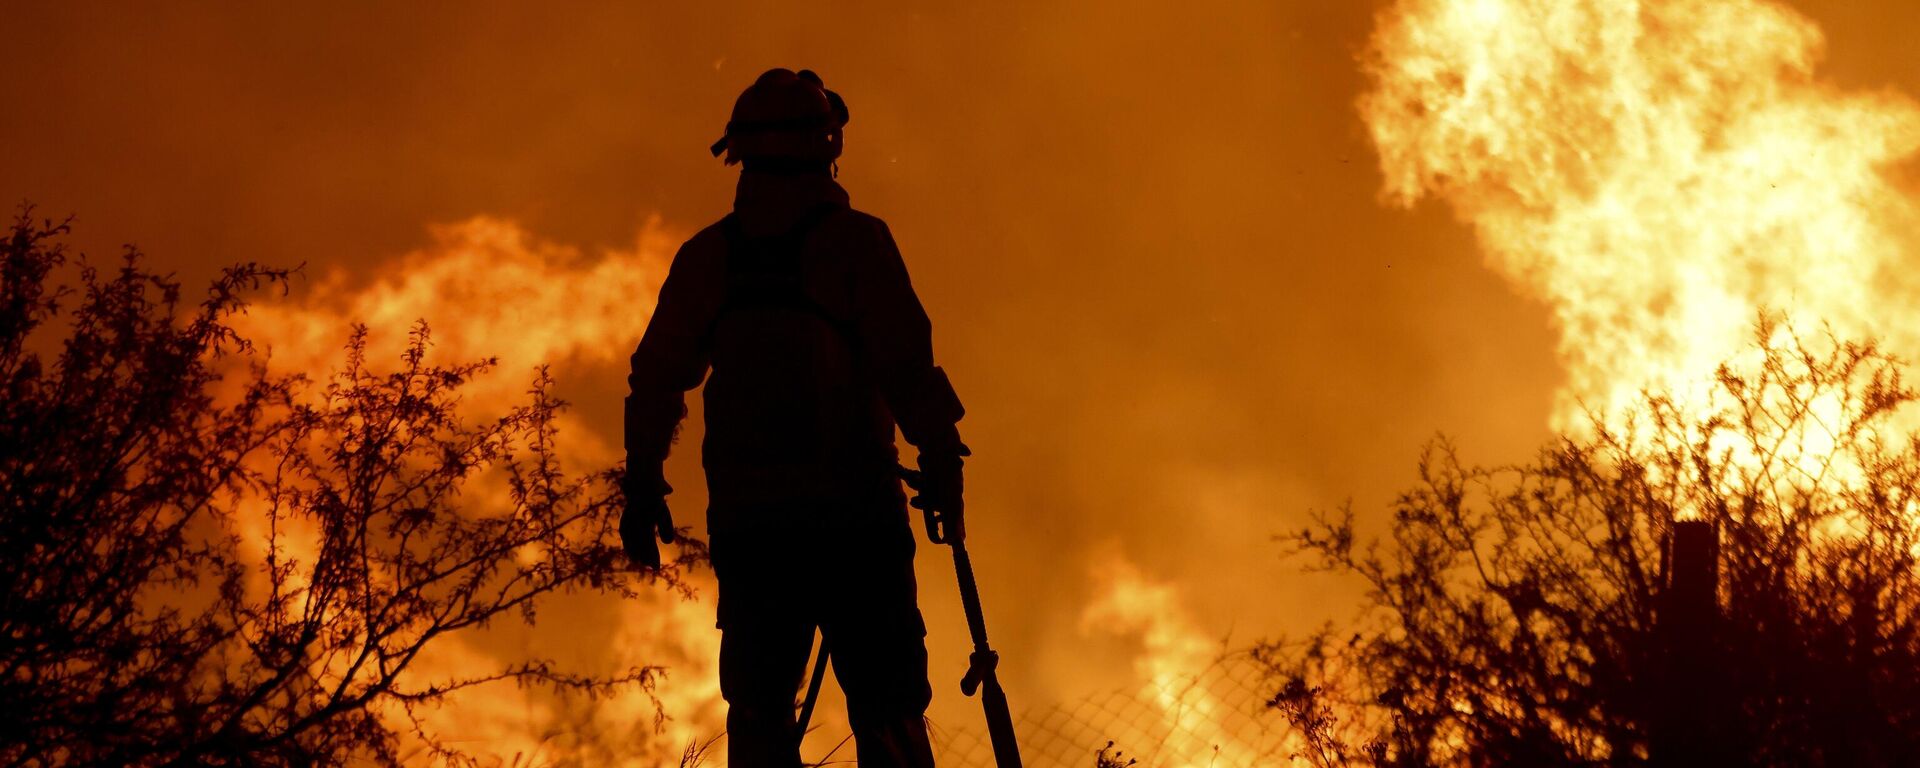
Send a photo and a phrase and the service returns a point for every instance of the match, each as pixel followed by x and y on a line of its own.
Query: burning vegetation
pixel 1659 174
pixel 211 563
pixel 219 554
pixel 1552 612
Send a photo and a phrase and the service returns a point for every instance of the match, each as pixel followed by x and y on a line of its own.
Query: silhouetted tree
pixel 205 563
pixel 1514 615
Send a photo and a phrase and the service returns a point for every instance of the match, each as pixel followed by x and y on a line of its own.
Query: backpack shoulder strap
pixel 768 271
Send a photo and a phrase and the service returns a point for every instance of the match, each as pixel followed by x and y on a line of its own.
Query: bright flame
pixel 1174 653
pixel 489 288
pixel 1659 172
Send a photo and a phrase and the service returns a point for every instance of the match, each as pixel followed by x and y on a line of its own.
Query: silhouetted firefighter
pixel 817 346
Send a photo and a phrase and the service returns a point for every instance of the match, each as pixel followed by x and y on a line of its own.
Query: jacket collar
pixel 768 203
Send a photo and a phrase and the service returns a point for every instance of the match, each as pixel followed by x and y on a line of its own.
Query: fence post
pixel 1688 705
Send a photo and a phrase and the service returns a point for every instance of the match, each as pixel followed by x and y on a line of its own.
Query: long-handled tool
pixel 818 678
pixel 981 664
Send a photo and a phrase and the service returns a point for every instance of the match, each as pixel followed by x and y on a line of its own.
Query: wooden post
pixel 1689 728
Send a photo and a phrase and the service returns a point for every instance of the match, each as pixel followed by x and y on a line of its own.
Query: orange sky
pixel 1149 234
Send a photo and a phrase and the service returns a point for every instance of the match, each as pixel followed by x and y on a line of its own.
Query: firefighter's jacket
pixel 802 310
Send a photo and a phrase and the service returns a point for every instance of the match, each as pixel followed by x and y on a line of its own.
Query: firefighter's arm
pixel 669 361
pixel 898 340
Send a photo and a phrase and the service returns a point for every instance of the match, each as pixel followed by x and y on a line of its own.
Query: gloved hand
pixel 941 495
pixel 645 523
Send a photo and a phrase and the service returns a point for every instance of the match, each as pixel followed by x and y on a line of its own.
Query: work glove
pixel 644 524
pixel 940 489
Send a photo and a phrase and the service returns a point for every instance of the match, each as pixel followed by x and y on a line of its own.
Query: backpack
pixel 786 393
pixel 769 273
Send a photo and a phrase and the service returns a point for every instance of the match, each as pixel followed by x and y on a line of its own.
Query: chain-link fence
pixel 1216 719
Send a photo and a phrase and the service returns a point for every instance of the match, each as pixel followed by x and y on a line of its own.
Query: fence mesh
pixel 1218 718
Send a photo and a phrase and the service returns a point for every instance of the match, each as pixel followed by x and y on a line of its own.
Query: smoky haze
pixel 1149 235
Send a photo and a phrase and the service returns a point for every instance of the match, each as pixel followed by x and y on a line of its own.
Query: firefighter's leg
pixel 764 641
pixel 880 660
pixel 761 665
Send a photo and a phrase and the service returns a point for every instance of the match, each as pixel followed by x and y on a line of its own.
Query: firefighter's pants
pixel 855 583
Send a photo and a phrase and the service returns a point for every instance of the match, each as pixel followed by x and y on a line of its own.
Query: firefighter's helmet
pixel 784 116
